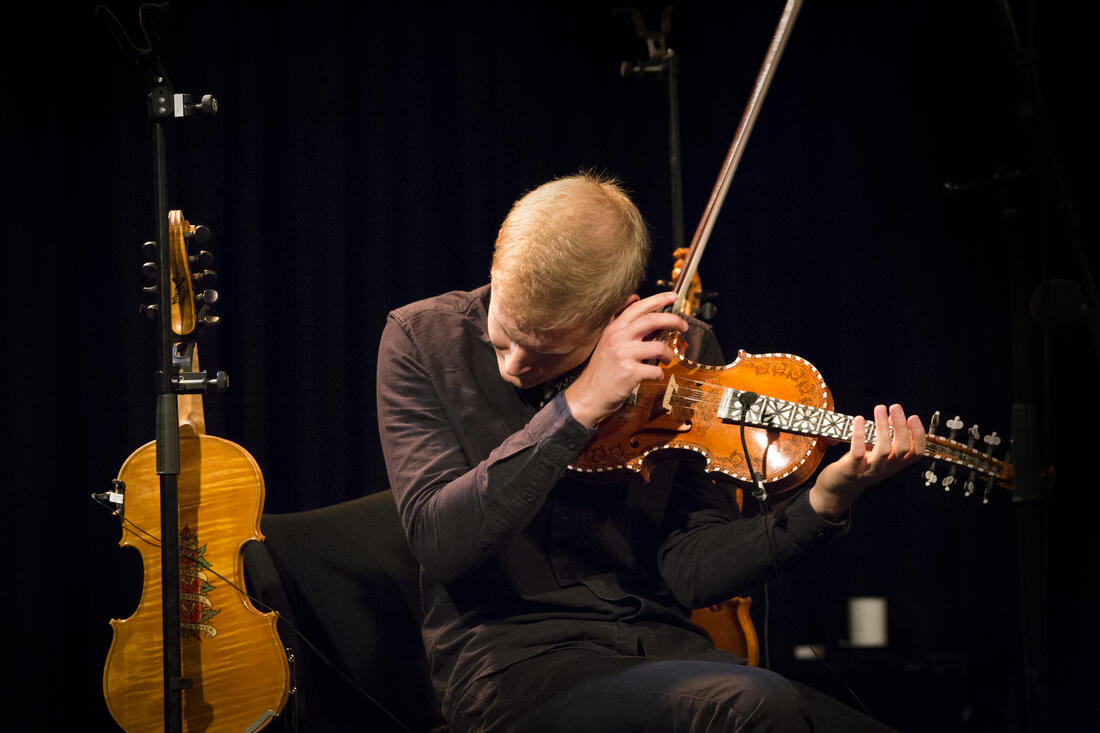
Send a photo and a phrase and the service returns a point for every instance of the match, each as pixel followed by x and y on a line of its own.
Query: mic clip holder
pixel 164 103
pixel 199 382
pixel 745 400
pixel 182 380
pixel 660 55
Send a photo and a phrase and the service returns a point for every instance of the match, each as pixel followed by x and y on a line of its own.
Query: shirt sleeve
pixel 711 552
pixel 457 515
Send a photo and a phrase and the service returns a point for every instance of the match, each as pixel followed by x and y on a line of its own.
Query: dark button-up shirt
pixel 518 557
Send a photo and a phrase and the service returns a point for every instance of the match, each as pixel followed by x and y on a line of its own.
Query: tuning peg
pixel 200 234
pixel 203 277
pixel 149 270
pixel 987 490
pixel 207 297
pixel 954 425
pixel 149 311
pixel 949 479
pixel 149 250
pixel 972 438
pixel 992 440
pixel 151 289
pixel 204 260
pixel 968 485
pixel 930 475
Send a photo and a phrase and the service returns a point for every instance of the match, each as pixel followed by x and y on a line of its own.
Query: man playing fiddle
pixel 553 604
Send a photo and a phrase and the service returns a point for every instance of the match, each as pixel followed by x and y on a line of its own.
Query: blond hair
pixel 569 253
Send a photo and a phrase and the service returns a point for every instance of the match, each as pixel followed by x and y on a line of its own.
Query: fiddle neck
pixel 817 422
pixel 191 417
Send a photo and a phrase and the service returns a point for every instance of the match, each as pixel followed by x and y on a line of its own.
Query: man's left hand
pixel 842 481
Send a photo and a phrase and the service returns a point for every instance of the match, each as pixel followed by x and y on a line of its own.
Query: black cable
pixel 746 400
pixel 155 542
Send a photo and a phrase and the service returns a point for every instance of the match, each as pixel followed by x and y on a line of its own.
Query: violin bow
pixel 733 156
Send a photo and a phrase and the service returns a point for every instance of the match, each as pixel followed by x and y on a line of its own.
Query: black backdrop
pixel 365 155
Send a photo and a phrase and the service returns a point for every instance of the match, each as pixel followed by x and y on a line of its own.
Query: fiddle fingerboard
pixel 775 414
pixel 790 417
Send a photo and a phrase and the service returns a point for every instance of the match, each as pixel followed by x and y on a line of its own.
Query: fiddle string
pixel 154 541
pixel 709 400
pixel 688 398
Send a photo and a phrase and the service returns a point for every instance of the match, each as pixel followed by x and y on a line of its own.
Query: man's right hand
pixel 623 358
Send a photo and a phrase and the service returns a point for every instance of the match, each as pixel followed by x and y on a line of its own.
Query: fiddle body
pixel 690 410
pixel 229 650
pixel 789 423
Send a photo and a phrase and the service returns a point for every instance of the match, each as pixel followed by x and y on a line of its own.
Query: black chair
pixel 343 576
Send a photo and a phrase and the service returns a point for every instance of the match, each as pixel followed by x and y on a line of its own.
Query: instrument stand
pixel 163 103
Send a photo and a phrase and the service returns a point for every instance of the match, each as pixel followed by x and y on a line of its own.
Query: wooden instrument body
pixel 730 627
pixel 229 650
pixel 663 424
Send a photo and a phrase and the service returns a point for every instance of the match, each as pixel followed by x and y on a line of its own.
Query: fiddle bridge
pixel 667 417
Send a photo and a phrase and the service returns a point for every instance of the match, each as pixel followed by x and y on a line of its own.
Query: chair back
pixel 344 577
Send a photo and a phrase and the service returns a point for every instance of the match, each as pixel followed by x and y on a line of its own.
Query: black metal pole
pixel 164 104
pixel 1029 491
pixel 1031 443
pixel 168 447
pixel 675 166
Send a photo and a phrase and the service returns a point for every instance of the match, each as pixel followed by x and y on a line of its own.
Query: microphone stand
pixel 1030 431
pixel 1031 382
pixel 162 104
pixel 663 64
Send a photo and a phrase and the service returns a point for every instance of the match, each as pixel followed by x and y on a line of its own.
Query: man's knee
pixel 762 701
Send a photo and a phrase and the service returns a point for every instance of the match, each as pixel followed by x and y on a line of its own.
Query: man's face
pixel 529 359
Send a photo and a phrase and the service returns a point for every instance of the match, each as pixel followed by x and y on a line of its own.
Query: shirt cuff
pixel 806 526
pixel 556 430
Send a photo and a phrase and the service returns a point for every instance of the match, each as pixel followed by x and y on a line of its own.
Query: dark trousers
pixel 576 691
